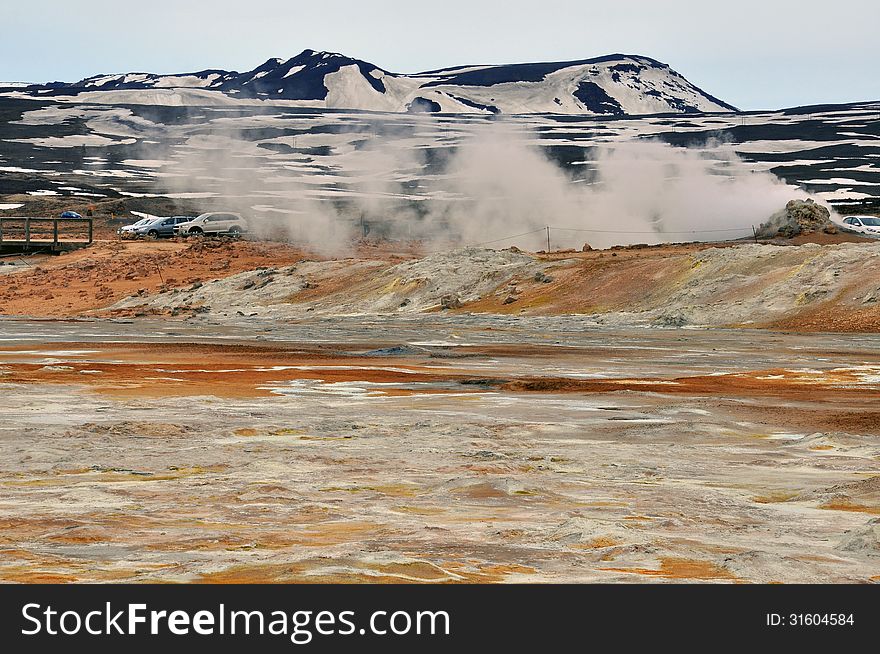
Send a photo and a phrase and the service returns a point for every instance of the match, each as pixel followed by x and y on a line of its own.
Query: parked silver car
pixel 217 222
pixel 154 227
pixel 128 231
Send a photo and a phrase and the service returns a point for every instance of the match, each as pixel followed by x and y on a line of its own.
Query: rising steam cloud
pixel 496 183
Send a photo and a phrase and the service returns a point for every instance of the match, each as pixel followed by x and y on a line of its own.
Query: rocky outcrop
pixel 798 217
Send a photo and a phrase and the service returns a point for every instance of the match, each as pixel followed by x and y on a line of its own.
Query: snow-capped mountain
pixel 610 85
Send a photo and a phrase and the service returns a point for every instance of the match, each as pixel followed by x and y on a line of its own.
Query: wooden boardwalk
pixel 34 234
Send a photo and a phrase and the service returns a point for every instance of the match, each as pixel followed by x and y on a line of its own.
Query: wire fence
pixel 507 238
pixel 547 230
pixel 665 231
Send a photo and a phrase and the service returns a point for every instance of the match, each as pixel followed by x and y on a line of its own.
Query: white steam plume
pixel 641 192
pixel 496 183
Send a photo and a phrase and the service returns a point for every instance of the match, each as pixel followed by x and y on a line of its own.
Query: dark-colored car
pixel 70 214
pixel 161 227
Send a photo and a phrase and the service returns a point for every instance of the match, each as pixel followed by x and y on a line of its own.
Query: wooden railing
pixel 36 233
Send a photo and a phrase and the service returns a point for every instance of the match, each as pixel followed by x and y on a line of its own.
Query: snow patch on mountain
pixel 612 85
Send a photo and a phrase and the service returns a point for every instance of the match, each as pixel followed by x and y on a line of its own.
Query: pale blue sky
pixel 755 54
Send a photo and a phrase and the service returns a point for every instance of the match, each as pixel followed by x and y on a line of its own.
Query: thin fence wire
pixel 665 231
pixel 749 230
pixel 507 238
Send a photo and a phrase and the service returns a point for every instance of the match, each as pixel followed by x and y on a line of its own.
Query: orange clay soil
pixel 758 383
pixel 815 416
pixel 358 573
pixel 223 371
pixel 170 370
pixel 109 271
pixel 96 277
pixel 832 316
pixel 619 279
pixel 678 568
pixel 595 283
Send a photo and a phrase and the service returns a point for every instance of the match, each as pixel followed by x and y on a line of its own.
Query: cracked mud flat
pixel 436 449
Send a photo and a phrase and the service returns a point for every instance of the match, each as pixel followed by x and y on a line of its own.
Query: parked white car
pixel 868 225
pixel 213 223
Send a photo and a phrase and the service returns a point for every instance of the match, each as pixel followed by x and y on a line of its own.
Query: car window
pixel 857 222
pixel 170 221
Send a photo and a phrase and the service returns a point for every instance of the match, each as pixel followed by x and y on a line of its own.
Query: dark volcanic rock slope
pixel 53 148
pixel 611 85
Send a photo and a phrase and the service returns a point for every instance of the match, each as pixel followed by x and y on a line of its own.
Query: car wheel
pixel 153 234
pixel 235 231
pixel 196 232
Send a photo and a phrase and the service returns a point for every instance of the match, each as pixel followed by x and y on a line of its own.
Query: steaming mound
pixel 798 217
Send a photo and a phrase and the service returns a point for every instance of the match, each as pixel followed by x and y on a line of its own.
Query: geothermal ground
pixel 235 411
pixel 463 448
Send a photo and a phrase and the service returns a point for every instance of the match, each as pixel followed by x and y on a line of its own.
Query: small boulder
pixel 451 301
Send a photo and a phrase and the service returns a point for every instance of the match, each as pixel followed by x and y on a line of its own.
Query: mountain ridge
pixel 615 84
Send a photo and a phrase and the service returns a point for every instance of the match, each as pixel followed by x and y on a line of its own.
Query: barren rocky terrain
pixel 455 449
pixel 571 322
pixel 809 287
pixel 223 411
pixel 820 288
